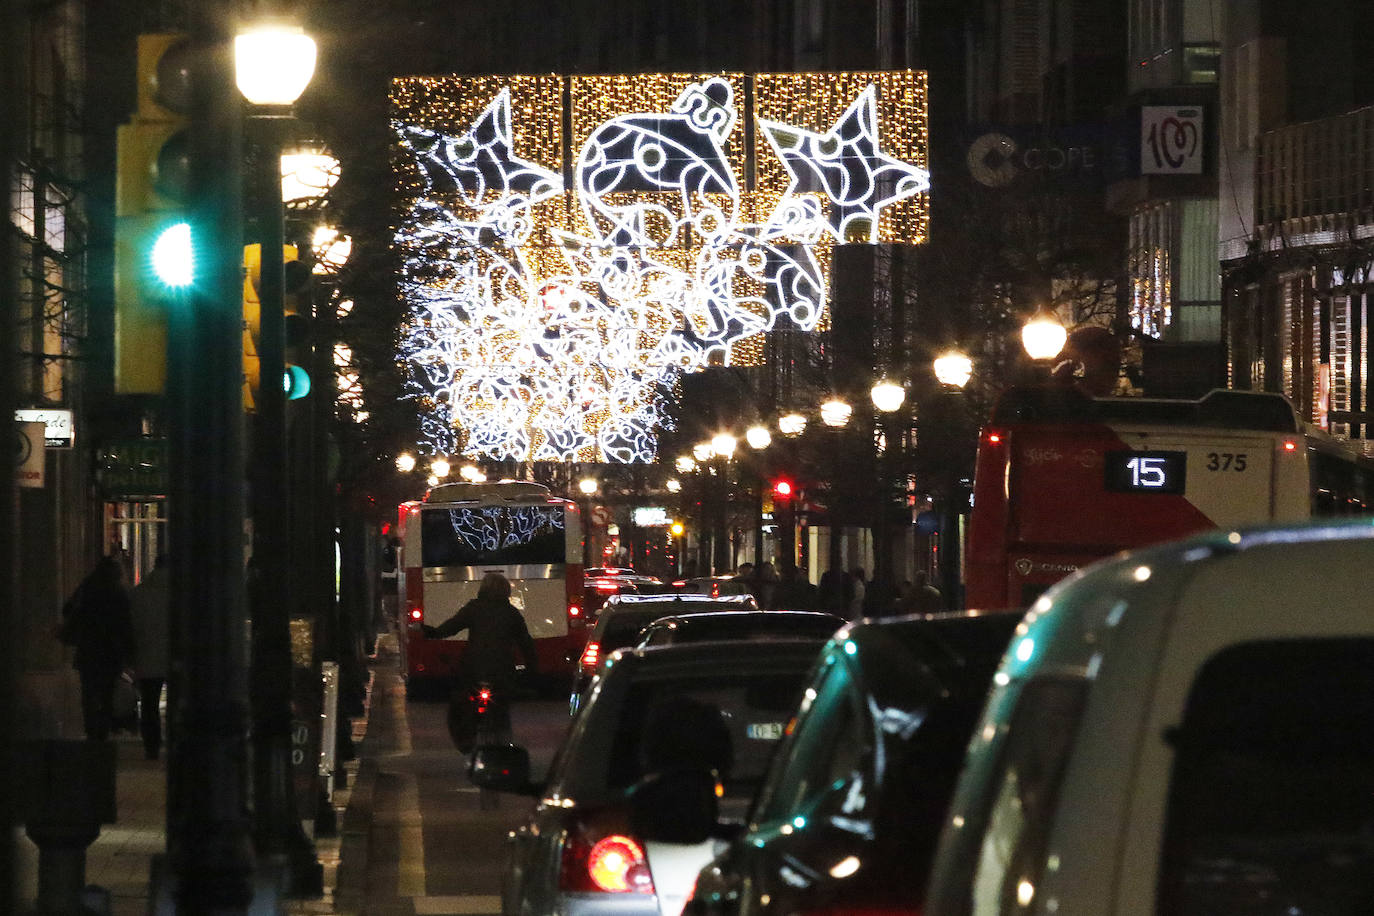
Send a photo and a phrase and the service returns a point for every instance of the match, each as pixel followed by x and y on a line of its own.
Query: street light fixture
pixel 439 467
pixel 587 485
pixel 674 485
pixel 758 437
pixel 703 452
pixel 791 424
pixel 685 464
pixel 273 63
pixel 405 462
pixel 887 395
pixel 835 413
pixel 723 444
pixel 953 369
pixel 1043 335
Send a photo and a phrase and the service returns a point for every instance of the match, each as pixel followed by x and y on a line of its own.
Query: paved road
pixel 415 842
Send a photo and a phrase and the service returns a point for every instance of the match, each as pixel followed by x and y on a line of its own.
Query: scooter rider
pixel 496 630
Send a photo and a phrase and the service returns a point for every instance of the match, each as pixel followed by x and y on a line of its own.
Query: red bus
pixel 460 532
pixel 1063 479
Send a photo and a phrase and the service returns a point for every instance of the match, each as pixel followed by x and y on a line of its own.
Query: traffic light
pixel 296 313
pixel 154 264
pixel 783 489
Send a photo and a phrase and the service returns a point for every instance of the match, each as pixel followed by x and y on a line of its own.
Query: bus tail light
pixel 415 616
pixel 992 436
pixel 1290 445
pixel 614 864
pixel 576 619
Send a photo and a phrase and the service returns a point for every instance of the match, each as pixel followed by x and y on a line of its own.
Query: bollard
pixel 67 790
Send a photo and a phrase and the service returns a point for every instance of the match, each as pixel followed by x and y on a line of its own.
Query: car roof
pixel 957 649
pixel 738 623
pixel 1236 585
pixel 681 600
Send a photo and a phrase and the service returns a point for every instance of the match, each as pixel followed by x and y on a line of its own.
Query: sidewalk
pixel 120 860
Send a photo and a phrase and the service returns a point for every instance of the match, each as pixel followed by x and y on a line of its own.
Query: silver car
pixel 712 709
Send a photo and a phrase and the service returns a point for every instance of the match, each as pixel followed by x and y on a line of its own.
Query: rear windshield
pixel 492 535
pixel 621 628
pixel 731 724
pixel 749 626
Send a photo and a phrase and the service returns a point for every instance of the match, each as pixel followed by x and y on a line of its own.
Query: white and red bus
pixel 1063 479
pixel 460 532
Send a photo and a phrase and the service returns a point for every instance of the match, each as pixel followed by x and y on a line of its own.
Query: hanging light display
pixel 547 319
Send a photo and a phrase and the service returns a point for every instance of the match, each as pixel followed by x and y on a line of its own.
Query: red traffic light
pixel 782 489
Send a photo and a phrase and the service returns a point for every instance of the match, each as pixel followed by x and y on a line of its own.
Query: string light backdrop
pixel 570 246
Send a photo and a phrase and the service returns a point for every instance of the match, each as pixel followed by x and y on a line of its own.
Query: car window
pixel 1023 791
pixel 622 629
pixel 730 723
pixel 822 751
pixel 1269 798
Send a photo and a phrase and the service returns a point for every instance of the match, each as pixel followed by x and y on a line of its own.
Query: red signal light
pixel 782 488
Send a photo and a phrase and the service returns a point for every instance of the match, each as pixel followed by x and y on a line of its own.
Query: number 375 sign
pixel 1170 140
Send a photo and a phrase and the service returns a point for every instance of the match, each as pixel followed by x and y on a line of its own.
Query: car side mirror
pixel 677 806
pixel 503 767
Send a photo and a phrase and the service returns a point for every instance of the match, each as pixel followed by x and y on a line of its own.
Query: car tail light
pixel 613 864
pixel 590 656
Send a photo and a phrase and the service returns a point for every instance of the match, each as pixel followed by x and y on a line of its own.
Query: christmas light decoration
pixel 559 286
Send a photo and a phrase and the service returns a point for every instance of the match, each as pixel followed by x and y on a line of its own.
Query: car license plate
pixel 763 731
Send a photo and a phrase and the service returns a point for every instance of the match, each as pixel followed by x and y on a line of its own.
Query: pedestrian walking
pixel 97 622
pixel 150 602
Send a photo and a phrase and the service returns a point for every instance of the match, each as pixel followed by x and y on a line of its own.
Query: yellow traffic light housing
pixel 295 379
pixel 153 257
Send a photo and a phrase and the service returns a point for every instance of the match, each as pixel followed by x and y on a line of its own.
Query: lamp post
pixel 273 65
pixel 1043 335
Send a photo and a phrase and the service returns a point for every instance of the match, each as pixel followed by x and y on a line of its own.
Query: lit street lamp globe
pixel 953 369
pixel 723 444
pixel 835 412
pixel 685 464
pixel 887 395
pixel 792 424
pixel 273 63
pixel 439 467
pixel 587 485
pixel 405 462
pixel 758 437
pixel 702 451
pixel 1043 336
pixel 674 485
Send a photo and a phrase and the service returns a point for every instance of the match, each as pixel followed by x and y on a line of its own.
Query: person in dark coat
pixel 496 632
pixel 149 602
pixel 97 621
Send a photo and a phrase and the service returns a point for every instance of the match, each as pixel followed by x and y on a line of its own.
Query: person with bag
pixel 150 613
pixel 98 623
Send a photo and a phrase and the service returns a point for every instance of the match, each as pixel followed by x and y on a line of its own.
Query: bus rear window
pixel 492 536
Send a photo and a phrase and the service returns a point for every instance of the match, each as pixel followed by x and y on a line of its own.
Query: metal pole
pixel 10 108
pixel 208 838
pixel 277 830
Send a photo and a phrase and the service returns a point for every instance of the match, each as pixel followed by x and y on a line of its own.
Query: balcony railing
pixel 1319 171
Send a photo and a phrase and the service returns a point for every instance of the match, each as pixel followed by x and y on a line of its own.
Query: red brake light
pixel 604 586
pixel 590 656
pixel 612 864
pixel 994 437
pixel 416 613
pixel 1290 445
pixel 574 611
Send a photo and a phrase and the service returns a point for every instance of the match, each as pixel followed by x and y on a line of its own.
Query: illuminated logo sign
pixel 560 281
pixel 652 517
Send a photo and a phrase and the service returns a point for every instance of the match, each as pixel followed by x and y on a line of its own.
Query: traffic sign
pixel 601 516
pixel 29 457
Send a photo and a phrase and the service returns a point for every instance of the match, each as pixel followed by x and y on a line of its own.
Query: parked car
pixel 1182 730
pixel 701 626
pixel 717 709
pixel 622 617
pixel 848 818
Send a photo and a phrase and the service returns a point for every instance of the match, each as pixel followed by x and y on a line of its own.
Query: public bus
pixel 1063 479
pixel 460 532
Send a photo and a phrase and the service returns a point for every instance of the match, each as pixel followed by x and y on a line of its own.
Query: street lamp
pixel 953 369
pixel 439 467
pixel 791 424
pixel 1043 335
pixel 685 464
pixel 405 462
pixel 758 437
pixel 588 486
pixel 723 444
pixel 888 395
pixel 835 413
pixel 703 452
pixel 273 64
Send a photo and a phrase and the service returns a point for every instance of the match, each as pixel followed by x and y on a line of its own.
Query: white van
pixel 1187 729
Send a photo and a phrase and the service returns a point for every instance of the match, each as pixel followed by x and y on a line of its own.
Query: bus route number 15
pixel 1226 461
pixel 1148 472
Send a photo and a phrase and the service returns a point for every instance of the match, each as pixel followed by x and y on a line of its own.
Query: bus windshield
pixel 477 535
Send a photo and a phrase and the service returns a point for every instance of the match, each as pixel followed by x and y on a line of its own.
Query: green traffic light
pixel 295 382
pixel 173 263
